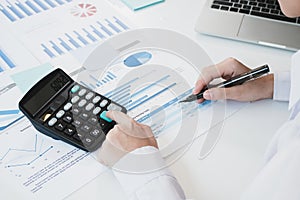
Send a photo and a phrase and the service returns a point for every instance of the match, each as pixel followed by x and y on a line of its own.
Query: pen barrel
pixel 240 79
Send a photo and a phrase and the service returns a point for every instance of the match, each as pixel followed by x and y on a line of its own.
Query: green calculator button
pixel 75 88
pixel 103 116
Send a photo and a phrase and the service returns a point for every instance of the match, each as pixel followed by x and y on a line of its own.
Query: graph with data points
pixel 18 10
pixel 81 37
pixel 6 61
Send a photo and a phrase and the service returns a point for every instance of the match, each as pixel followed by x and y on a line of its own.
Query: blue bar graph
pixel 32 6
pixel 64 44
pixel 137 101
pixel 150 85
pixel 125 85
pixel 47 51
pixel 6 59
pixel 60 2
pixel 121 23
pixel 113 26
pixel 125 96
pixel 76 45
pixel 90 36
pixel 81 38
pixel 56 48
pixel 41 4
pixel 16 11
pixel 7 14
pixel 50 3
pixel 24 9
pixel 97 32
pixel 105 29
pixel 121 93
pixel 165 106
pixel 19 10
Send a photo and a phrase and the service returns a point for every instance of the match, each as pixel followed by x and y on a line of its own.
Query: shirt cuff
pixel 282 84
pixel 140 167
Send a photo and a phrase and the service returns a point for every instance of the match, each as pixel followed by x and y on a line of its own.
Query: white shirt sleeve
pixel 158 184
pixel 282 84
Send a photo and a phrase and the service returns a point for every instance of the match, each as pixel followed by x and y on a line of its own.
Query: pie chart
pixel 83 10
pixel 137 59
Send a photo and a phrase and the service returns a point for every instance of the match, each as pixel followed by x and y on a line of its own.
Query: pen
pixel 237 80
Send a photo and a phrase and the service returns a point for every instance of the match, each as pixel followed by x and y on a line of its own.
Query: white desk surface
pixel 238 155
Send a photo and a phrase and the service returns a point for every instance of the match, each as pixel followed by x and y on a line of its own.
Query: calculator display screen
pixel 45 93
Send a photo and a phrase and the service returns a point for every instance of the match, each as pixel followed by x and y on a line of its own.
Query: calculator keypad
pixel 82 118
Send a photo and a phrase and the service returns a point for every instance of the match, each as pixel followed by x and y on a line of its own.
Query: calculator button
pixel 96 99
pixel 67 106
pixel 82 92
pixel 75 88
pixel 60 114
pixel 52 121
pixel 75 111
pixel 82 102
pixel 75 99
pixel 96 110
pixel 103 116
pixel 93 120
pixel 113 106
pixel 60 126
pixel 68 119
pixel 88 141
pixel 89 95
pixel 84 116
pixel 86 128
pixel 77 123
pixel 103 124
pixel 95 132
pixel 69 131
pixel 89 107
pixel 103 103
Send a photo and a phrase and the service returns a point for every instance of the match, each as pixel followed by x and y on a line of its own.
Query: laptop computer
pixel 258 21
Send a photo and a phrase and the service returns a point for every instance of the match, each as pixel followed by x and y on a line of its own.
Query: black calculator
pixel 63 109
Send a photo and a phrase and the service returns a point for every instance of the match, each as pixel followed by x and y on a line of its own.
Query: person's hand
pixel 126 136
pixel 260 88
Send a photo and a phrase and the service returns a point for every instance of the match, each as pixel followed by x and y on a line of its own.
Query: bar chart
pixel 89 34
pixel 95 82
pixel 5 61
pixel 21 9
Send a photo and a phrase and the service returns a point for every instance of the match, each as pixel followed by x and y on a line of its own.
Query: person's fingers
pixel 225 69
pixel 260 88
pixel 128 125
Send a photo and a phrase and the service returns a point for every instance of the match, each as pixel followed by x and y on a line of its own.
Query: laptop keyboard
pixel 260 8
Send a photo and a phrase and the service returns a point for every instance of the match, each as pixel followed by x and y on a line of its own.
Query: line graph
pixel 34 149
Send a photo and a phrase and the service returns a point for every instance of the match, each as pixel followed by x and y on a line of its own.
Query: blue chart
pixel 6 61
pixel 84 36
pixel 95 82
pixel 36 150
pixel 22 9
pixel 9 117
